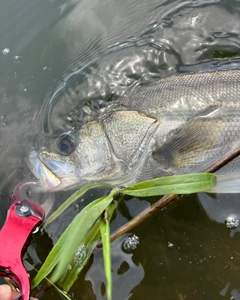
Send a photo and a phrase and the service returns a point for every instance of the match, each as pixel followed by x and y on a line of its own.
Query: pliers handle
pixel 23 217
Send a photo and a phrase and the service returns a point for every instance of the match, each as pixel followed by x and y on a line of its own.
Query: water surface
pixel 60 60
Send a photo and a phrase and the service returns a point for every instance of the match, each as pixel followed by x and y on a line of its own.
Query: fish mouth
pixel 48 180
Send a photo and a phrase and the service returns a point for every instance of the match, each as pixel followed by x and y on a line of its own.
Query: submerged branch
pixel 147 213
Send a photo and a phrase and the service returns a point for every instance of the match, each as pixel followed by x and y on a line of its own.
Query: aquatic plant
pixel 73 249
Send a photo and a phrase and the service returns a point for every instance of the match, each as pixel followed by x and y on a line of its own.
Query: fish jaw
pixel 45 171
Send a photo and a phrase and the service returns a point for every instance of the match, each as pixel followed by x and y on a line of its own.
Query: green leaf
pixel 85 228
pixel 63 293
pixel 50 262
pixel 91 241
pixel 74 197
pixel 63 251
pixel 77 231
pixel 90 244
pixel 179 184
pixel 105 234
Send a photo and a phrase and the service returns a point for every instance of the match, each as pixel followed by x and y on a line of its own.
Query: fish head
pixel 72 159
pixel 111 149
pixel 56 166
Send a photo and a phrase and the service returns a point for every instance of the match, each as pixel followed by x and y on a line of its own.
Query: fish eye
pixel 66 144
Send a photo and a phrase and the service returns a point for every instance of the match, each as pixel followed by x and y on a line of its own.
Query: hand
pixel 7 294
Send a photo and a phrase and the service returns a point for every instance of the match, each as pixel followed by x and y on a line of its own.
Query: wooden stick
pixel 147 213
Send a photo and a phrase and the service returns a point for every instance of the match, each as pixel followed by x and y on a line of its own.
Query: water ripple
pixel 177 35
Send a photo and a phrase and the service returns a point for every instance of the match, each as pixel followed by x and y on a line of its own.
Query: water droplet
pixel 80 254
pixel 232 222
pixel 25 89
pixel 5 51
pixel 130 243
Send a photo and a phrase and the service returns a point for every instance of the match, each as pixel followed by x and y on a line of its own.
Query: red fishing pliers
pixel 23 218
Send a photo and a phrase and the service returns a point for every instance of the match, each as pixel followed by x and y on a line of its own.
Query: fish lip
pixel 47 178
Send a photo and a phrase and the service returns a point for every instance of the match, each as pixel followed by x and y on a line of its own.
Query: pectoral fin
pixel 193 143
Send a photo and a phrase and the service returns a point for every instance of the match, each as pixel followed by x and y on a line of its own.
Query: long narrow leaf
pixel 77 265
pixel 105 234
pixel 50 262
pixel 179 184
pixel 73 236
pixel 78 230
pixel 90 244
pixel 74 197
pixel 56 287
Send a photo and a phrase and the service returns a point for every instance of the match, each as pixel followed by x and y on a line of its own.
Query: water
pixel 59 61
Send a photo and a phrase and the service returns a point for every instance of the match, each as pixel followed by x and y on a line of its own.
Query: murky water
pixel 59 60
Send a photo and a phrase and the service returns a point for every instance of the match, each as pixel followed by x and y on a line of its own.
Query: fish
pixel 180 124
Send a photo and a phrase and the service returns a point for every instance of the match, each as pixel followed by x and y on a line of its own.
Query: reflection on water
pixel 60 60
pixel 126 272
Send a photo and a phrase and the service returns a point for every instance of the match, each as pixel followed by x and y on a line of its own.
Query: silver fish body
pixel 180 124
